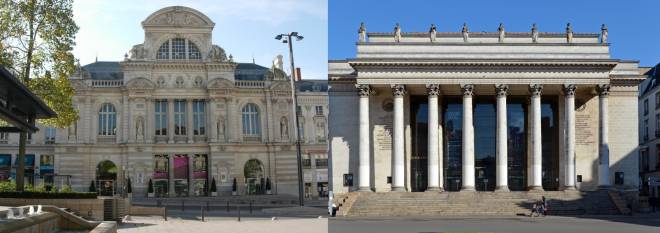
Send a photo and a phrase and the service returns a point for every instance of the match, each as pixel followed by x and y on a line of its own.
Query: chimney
pixel 298 76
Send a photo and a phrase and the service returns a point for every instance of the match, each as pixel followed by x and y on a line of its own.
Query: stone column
pixel 502 168
pixel 149 119
pixel 170 181
pixel 191 180
pixel 433 155
pixel 603 148
pixel 569 99
pixel 468 139
pixel 536 182
pixel 170 120
pixel 398 174
pixel 189 120
pixel 364 161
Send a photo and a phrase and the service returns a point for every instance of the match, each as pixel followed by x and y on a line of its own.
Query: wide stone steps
pixel 477 203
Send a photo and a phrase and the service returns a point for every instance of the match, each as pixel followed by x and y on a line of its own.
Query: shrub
pixel 47 195
pixel 129 188
pixel 41 188
pixel 67 189
pixel 92 187
pixel 213 187
pixel 233 185
pixel 151 187
pixel 7 186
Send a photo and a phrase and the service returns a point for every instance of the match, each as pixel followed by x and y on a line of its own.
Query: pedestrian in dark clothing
pixel 544 205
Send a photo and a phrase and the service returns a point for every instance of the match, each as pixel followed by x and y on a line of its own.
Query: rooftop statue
pixel 432 32
pixel 500 29
pixel 535 33
pixel 603 34
pixel 465 32
pixel 362 33
pixel 569 33
pixel 397 33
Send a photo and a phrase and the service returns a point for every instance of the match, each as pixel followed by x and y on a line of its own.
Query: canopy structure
pixel 18 106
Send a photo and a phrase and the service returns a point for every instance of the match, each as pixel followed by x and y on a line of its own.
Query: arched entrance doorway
pixel 254 177
pixel 106 178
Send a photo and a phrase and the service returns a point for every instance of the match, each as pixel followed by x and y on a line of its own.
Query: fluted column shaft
pixel 502 167
pixel 468 139
pixel 604 148
pixel 433 148
pixel 537 182
pixel 170 120
pixel 569 95
pixel 364 160
pixel 398 176
pixel 189 120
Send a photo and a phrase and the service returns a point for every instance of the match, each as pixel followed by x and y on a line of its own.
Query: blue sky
pixel 634 25
pixel 244 28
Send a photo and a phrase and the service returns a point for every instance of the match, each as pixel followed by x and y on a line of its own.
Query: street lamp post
pixel 286 38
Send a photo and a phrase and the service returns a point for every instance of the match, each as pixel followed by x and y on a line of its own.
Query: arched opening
pixel 254 177
pixel 106 178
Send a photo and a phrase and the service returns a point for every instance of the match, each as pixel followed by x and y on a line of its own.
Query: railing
pixel 249 84
pixel 106 83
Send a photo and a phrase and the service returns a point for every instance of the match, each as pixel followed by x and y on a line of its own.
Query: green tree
pixel 36 41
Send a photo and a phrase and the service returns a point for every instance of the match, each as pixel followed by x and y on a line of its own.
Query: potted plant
pixel 214 191
pixel 150 189
pixel 268 186
pixel 129 188
pixel 92 187
pixel 233 188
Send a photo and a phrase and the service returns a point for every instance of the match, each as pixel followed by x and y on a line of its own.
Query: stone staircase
pixel 472 203
pixel 620 204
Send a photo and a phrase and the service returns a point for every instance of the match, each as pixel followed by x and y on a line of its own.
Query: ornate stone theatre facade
pixel 179 111
pixel 483 111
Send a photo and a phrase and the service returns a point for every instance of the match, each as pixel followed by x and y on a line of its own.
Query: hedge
pixel 48 195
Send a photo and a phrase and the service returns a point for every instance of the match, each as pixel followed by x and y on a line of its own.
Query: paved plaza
pixel 614 224
pixel 224 225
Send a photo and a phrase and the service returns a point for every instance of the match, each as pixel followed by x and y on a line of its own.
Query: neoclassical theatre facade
pixel 483 111
pixel 180 112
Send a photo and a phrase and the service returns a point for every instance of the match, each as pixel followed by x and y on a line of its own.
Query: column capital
pixel 363 89
pixel 398 90
pixel 569 89
pixel 603 90
pixel 501 90
pixel 433 89
pixel 467 89
pixel 535 89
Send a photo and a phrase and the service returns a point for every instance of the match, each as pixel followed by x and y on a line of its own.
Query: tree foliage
pixel 36 43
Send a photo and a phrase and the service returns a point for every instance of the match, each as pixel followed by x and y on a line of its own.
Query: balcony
pixel 249 84
pixel 105 83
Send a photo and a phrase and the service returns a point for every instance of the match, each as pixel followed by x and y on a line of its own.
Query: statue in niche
pixel 139 128
pixel 284 128
pixel 221 128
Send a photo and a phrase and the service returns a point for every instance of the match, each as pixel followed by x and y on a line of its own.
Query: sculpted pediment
pixel 140 83
pixel 220 83
pixel 178 16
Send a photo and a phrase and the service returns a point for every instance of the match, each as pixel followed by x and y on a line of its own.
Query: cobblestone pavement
pixel 224 224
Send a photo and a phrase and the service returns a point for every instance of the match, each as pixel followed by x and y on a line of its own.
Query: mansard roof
pixel 654 79
pixel 250 71
pixel 312 85
pixel 103 70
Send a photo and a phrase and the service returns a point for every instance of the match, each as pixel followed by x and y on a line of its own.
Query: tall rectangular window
pixel 199 121
pixel 179 117
pixel 161 117
pixel 50 135
pixel 646 106
pixel 319 110
pixel 4 138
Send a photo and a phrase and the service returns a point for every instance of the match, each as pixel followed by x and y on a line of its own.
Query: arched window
pixel 251 126
pixel 107 120
pixel 179 49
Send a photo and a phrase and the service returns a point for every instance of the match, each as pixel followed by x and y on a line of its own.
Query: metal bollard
pixel 183 208
pixel 250 207
pixel 202 208
pixel 239 212
pixel 165 213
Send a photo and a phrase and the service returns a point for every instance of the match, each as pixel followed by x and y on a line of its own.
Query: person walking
pixel 544 206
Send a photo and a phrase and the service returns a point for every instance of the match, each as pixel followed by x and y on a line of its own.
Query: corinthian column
pixel 364 163
pixel 468 139
pixel 569 95
pixel 397 145
pixel 604 148
pixel 502 147
pixel 537 159
pixel 433 155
